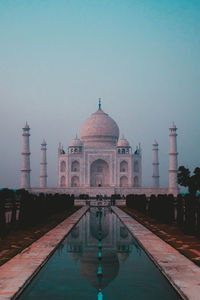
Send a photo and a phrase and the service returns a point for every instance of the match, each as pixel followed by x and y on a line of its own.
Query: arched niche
pixel 75 167
pixel 75 181
pixel 99 173
pixel 62 181
pixel 136 181
pixel 124 181
pixel 124 166
pixel 63 166
pixel 136 166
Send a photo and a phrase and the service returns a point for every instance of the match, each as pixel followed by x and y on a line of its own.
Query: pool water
pixel 127 272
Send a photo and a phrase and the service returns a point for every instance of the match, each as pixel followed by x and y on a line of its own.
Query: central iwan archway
pixel 99 173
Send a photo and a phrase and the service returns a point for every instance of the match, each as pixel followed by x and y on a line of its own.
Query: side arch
pixel 75 167
pixel 62 181
pixel 136 181
pixel 123 181
pixel 124 166
pixel 75 181
pixel 136 166
pixel 63 166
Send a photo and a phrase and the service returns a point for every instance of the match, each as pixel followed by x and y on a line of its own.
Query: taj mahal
pixel 100 162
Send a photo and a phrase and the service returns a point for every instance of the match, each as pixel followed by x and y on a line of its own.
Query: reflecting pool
pixel 99 258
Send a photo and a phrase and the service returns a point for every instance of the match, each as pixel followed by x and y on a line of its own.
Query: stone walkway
pixel 183 274
pixel 20 238
pixel 188 245
pixel 18 271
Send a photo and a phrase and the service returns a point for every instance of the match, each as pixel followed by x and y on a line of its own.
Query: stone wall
pixel 101 190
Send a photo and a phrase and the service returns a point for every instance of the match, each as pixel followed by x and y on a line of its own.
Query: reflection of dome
pixel 123 143
pixel 122 256
pixel 76 142
pixel 123 232
pixel 99 127
pixel 75 256
pixel 94 225
pixel 89 267
pixel 75 232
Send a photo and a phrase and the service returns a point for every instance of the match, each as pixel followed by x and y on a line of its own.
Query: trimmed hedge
pixel 138 202
pixel 184 211
pixel 32 209
pixel 84 196
pixel 115 197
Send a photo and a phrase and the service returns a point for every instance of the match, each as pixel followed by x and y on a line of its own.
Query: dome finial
pixel 99 103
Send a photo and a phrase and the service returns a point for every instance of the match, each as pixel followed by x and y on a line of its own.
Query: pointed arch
pixel 75 181
pixel 124 166
pixel 99 173
pixel 136 166
pixel 75 167
pixel 124 181
pixel 62 181
pixel 136 181
pixel 63 166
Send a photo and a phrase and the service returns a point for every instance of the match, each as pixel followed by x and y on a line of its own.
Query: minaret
pixel 25 170
pixel 43 165
pixel 155 163
pixel 173 161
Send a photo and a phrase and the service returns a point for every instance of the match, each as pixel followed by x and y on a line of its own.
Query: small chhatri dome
pixel 155 143
pixel 100 127
pixel 173 126
pixel 43 142
pixel 123 142
pixel 76 142
pixel 26 126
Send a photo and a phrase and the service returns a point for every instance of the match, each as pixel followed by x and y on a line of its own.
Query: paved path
pixel 20 269
pixel 188 245
pixel 183 274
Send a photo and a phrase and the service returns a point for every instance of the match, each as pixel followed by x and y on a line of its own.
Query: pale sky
pixel 58 57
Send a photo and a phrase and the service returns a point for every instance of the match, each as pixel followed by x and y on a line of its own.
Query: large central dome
pixel 100 128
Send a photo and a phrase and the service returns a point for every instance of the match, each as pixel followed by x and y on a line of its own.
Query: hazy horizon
pixel 58 58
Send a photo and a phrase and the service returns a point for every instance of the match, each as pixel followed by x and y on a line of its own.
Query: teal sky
pixel 58 57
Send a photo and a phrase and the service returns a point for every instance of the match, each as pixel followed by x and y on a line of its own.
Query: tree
pixel 3 196
pixel 183 176
pixel 185 179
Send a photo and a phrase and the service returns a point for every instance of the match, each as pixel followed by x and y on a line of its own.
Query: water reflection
pixel 72 271
pixel 82 244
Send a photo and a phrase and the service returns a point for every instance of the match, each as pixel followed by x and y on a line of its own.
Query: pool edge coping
pixel 188 287
pixel 18 272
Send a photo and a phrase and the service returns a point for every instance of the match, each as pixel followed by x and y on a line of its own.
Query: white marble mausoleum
pixel 100 162
pixel 99 158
